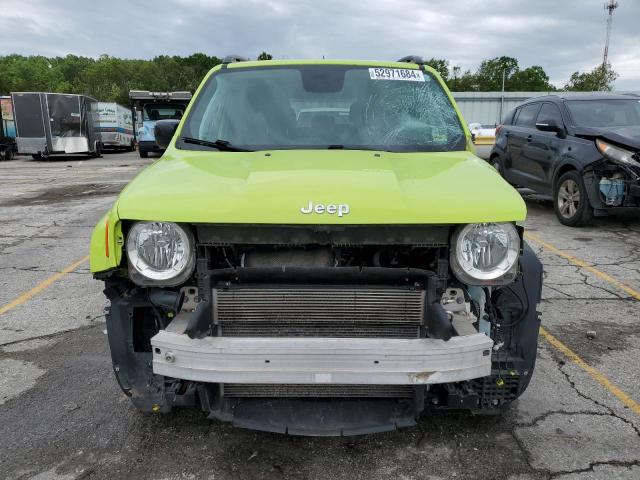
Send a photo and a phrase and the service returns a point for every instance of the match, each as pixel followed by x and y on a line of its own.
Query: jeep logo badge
pixel 320 208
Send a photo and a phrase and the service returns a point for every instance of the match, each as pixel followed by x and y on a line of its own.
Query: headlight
pixel 485 253
pixel 617 154
pixel 160 253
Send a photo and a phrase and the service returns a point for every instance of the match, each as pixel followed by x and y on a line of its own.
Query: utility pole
pixel 610 7
pixel 504 74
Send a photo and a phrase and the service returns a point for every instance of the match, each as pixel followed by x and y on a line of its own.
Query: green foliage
pixel 599 79
pixel 106 78
pixel 441 66
pixel 488 76
pixel 110 79
pixel 265 56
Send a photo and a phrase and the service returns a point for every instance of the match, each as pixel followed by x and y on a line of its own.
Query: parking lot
pixel 62 415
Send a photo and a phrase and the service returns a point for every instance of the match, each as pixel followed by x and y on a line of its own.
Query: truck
pixel 327 275
pixel 7 130
pixel 115 123
pixel 56 124
pixel 154 106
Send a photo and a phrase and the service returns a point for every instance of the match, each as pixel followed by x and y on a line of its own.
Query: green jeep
pixel 319 252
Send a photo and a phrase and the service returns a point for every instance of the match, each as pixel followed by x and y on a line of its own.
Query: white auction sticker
pixel 403 74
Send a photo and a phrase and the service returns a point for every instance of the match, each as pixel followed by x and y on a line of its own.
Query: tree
pixel 441 66
pixel 489 74
pixel 601 78
pixel 531 79
pixel 265 56
pixel 462 81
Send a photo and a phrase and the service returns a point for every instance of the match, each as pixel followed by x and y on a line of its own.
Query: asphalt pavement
pixel 62 415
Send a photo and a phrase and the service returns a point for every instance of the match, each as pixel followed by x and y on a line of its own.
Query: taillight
pixel 498 128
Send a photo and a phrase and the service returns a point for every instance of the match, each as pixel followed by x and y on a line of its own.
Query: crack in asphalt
pixel 48 335
pixel 536 420
pixel 610 411
pixel 79 271
pixel 614 463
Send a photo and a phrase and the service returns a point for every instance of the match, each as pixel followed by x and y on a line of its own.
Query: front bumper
pixel 365 361
pixel 149 146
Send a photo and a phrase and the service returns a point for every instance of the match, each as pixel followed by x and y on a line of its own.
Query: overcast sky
pixel 560 35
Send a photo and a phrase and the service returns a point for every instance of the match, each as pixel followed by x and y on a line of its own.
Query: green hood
pixel 272 187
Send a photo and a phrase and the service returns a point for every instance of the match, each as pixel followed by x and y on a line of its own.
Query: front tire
pixel 571 202
pixel 143 153
pixel 497 164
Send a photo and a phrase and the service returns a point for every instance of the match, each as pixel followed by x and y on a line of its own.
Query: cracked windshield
pixel 325 107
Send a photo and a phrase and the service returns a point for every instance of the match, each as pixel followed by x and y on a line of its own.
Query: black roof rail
pixel 233 59
pixel 412 59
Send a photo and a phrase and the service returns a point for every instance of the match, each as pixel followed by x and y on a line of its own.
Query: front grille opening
pixel 257 390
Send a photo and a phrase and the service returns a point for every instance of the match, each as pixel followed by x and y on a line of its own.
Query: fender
pixel 107 242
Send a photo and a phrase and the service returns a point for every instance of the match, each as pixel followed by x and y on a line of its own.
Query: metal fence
pixel 490 107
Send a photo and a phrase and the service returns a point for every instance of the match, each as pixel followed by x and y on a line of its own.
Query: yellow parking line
pixel 26 296
pixel 596 374
pixel 582 264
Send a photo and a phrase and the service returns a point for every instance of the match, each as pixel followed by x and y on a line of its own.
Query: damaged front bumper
pixel 361 361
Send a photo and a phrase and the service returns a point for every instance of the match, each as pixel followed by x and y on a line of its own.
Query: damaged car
pixel 581 149
pixel 339 272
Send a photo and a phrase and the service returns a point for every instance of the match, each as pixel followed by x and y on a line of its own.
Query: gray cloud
pixel 561 36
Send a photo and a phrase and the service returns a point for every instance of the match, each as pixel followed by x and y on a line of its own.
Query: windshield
pixel 154 111
pixel 605 113
pixel 325 106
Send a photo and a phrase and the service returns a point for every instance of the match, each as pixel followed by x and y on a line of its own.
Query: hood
pixel 365 187
pixel 629 136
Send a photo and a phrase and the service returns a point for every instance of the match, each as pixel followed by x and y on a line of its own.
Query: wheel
pixel 143 153
pixel 497 164
pixel 8 154
pixel 36 156
pixel 571 202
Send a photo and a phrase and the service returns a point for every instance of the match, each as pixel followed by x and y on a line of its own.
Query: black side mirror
pixel 164 131
pixel 550 126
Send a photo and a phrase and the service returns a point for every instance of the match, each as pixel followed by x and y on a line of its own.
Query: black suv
pixel 582 149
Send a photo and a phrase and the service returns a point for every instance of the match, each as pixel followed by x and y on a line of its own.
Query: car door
pixel 518 136
pixel 541 149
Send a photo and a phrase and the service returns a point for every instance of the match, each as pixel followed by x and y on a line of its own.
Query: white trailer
pixel 116 126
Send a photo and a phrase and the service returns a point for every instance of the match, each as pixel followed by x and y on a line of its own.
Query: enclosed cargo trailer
pixel 7 130
pixel 115 123
pixel 56 123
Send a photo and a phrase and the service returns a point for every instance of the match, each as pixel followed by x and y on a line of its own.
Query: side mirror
pixel 164 131
pixel 550 126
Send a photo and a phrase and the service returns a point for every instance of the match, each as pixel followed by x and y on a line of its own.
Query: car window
pixel 156 112
pixel 296 107
pixel 605 112
pixel 508 118
pixel 527 115
pixel 550 113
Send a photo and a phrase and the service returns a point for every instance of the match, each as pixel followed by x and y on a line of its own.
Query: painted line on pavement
pixel 26 296
pixel 582 264
pixel 596 374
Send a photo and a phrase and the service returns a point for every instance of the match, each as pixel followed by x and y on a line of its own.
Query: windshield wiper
pixel 347 147
pixel 222 145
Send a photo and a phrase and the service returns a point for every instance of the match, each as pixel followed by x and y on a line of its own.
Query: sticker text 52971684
pixel 403 74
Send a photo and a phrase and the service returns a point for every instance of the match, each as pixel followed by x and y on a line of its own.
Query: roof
pixel 583 96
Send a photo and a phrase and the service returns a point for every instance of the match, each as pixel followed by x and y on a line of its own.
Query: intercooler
pixel 315 311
